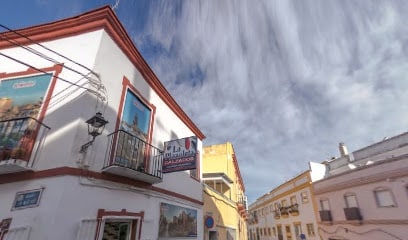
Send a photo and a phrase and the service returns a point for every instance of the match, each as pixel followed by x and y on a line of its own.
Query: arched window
pixel 350 200
pixel 383 197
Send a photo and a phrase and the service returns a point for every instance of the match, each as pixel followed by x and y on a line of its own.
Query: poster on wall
pixel 23 96
pixel 135 124
pixel 180 154
pixel 177 222
pixel 20 98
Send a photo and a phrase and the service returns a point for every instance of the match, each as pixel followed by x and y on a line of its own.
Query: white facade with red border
pixel 85 194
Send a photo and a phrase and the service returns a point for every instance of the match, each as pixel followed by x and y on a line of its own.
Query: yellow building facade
pixel 225 202
pixel 287 212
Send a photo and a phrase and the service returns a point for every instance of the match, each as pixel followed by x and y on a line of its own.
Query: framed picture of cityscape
pixel 21 103
pixel 177 221
pixel 23 96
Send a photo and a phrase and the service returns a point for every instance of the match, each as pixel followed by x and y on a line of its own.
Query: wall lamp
pixel 96 125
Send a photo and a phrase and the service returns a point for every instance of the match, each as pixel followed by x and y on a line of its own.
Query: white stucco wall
pixel 378 222
pixel 66 199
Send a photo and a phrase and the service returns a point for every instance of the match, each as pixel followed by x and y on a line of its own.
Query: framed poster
pixel 135 124
pixel 176 221
pixel 21 99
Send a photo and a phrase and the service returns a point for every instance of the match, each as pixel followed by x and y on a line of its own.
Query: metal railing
pixel 20 138
pixel 129 151
pixel 243 200
pixel 276 214
pixel 294 209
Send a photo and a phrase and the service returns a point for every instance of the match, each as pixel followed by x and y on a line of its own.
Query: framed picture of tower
pixel 132 138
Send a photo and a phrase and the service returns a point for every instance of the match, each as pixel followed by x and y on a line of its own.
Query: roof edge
pixel 100 18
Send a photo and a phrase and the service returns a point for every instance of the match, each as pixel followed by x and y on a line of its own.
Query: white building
pixel 59 182
pixel 285 213
pixel 364 195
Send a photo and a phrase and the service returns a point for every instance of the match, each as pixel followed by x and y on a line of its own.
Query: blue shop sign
pixel 27 199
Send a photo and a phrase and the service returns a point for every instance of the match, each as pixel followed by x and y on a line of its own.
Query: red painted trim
pixel 238 172
pixel 55 172
pixel 3 233
pixel 57 70
pixel 102 18
pixel 127 85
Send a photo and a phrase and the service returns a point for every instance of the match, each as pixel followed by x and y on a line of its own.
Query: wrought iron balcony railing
pixel 352 213
pixel 20 140
pixel 284 212
pixel 129 156
pixel 276 214
pixel 294 209
pixel 242 202
pixel 325 215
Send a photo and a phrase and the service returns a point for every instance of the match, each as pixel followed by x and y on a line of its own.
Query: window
pixel 310 230
pixel 324 204
pixel 298 229
pixel 293 200
pixel 351 200
pixel 384 198
pixel 304 196
pixel 274 231
pixel 288 232
pixel 284 203
pixel 276 206
pixel 269 231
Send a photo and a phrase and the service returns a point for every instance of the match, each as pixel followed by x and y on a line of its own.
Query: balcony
pixel 294 210
pixel 352 213
pixel 325 215
pixel 242 203
pixel 129 156
pixel 276 214
pixel 20 140
pixel 284 212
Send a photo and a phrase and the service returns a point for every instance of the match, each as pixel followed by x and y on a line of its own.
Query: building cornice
pixel 362 179
pixel 70 171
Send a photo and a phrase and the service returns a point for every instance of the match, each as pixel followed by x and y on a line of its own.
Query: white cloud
pixel 284 81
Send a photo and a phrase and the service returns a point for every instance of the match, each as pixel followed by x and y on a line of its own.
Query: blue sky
pixel 284 81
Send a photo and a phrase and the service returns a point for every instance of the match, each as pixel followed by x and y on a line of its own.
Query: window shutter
pixel 20 233
pixel 351 201
pixel 324 203
pixel 384 198
pixel 87 229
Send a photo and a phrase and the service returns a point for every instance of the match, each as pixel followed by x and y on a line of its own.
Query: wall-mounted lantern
pixel 96 125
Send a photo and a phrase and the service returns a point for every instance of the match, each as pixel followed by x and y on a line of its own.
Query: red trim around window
pixel 127 85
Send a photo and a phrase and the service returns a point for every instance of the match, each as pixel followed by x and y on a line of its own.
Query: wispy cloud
pixel 284 81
